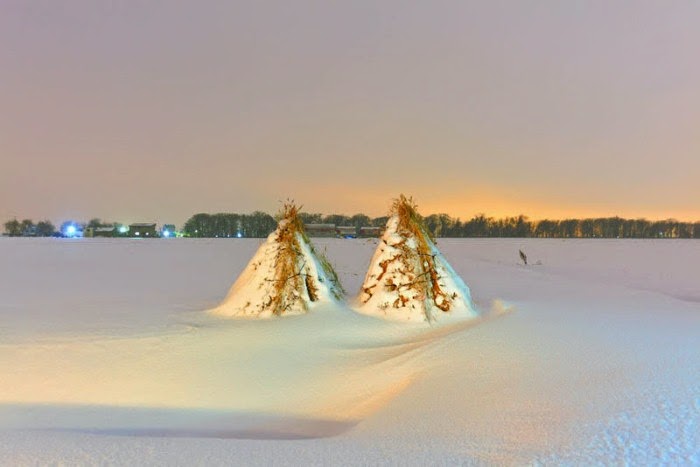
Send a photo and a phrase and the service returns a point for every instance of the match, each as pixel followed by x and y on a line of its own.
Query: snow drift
pixel 118 365
pixel 408 278
pixel 285 277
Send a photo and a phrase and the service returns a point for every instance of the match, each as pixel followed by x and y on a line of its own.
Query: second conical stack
pixel 408 278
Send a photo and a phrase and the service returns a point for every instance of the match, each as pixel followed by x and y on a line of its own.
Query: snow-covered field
pixel 592 356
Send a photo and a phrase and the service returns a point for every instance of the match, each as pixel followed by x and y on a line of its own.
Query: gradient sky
pixel 155 110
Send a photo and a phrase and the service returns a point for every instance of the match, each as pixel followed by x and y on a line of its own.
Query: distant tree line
pixel 27 228
pixel 257 224
pixel 442 225
pixel 260 224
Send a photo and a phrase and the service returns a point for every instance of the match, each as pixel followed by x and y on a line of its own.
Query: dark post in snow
pixel 523 256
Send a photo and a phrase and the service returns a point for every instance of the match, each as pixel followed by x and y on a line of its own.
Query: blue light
pixel 166 233
pixel 239 235
pixel 71 230
pixel 123 229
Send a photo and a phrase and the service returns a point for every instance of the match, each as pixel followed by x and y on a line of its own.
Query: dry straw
pixel 293 280
pixel 416 262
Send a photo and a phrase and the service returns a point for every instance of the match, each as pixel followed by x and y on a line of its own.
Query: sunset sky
pixel 155 110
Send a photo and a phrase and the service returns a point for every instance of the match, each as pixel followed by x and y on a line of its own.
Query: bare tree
pixel 45 229
pixel 13 228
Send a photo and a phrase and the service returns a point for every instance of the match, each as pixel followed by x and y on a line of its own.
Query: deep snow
pixel 591 357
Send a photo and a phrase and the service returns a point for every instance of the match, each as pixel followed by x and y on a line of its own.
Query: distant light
pixel 70 230
pixel 137 233
pixel 239 235
pixel 166 233
pixel 123 229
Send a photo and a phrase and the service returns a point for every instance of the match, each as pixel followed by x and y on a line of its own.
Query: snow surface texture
pixel 279 284
pixel 105 358
pixel 404 284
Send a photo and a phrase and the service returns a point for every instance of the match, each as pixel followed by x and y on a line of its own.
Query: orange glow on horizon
pixel 350 200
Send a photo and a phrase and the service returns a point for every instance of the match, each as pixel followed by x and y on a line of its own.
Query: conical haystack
pixel 285 277
pixel 408 278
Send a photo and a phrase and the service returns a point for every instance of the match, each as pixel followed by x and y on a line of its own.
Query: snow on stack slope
pixel 285 277
pixel 408 278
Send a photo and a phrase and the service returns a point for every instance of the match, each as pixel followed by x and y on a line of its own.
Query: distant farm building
pixel 371 231
pixel 142 230
pixel 342 231
pixel 346 231
pixel 100 232
pixel 321 230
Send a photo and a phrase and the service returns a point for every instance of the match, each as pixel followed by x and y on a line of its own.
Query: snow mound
pixel 408 278
pixel 285 277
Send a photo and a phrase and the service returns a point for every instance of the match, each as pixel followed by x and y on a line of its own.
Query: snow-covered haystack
pixel 408 278
pixel 285 277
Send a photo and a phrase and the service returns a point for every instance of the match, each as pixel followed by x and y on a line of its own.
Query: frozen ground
pixel 591 357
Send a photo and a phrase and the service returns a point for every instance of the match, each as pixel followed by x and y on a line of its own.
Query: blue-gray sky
pixel 140 110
